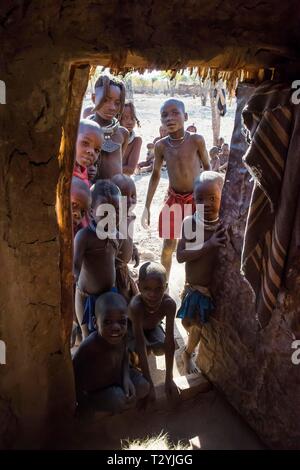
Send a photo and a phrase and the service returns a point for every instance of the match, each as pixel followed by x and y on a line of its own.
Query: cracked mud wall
pixel 36 384
pixel 252 368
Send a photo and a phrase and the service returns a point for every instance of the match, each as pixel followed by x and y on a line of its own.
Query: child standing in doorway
pixel 132 154
pixel 185 155
pixel 109 103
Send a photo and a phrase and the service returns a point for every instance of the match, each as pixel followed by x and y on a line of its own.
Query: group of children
pixel 219 155
pixel 121 320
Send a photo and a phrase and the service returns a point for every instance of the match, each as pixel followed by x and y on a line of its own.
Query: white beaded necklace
pixel 208 224
pixel 182 139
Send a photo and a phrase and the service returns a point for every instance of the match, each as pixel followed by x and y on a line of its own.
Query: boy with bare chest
pixel 200 259
pixel 185 154
pixel 146 311
pixel 103 379
pixel 92 254
pixel 109 103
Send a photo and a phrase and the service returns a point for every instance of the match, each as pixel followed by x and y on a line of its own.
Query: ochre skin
pixel 91 254
pixel 184 160
pixel 200 263
pixel 110 164
pixel 146 310
pixel 132 153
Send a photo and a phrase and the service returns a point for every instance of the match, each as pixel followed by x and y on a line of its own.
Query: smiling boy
pixel 103 379
pixel 146 312
pixel 185 154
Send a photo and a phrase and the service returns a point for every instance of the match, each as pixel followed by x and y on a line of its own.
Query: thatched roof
pixel 235 38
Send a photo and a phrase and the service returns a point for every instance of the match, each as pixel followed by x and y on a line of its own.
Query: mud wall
pixel 252 367
pixel 38 128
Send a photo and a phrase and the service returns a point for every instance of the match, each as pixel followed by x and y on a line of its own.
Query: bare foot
pixel 189 365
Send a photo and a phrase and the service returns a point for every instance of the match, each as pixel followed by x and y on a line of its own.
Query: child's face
pixel 79 202
pixel 129 190
pixel 128 119
pixel 163 131
pixel 111 104
pixel 209 194
pixel 114 201
pixel 192 128
pixel 88 146
pixel 112 325
pixel 152 290
pixel 214 153
pixel 78 213
pixel 225 150
pixel 173 117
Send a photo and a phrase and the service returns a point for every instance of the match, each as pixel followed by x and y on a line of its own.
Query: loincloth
pixel 89 308
pixel 125 284
pixel 170 221
pixel 197 304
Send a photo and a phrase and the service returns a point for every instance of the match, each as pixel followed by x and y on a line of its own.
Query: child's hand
pixel 135 256
pixel 219 238
pixel 129 388
pixel 172 391
pixel 146 218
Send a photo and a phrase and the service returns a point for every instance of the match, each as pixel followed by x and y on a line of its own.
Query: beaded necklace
pixel 210 225
pixel 182 139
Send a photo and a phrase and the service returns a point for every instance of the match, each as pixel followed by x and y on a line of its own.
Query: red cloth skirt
pixel 170 220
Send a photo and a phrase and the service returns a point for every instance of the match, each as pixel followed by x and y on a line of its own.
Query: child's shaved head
pixel 104 188
pixel 124 182
pixel 179 104
pixel 111 317
pixel 209 176
pixel 110 300
pixel 152 269
pixel 86 125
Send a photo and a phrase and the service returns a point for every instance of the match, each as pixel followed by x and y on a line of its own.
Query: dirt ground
pixel 208 418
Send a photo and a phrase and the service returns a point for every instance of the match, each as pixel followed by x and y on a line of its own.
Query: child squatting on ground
pixel 200 260
pixel 146 312
pixel 103 379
